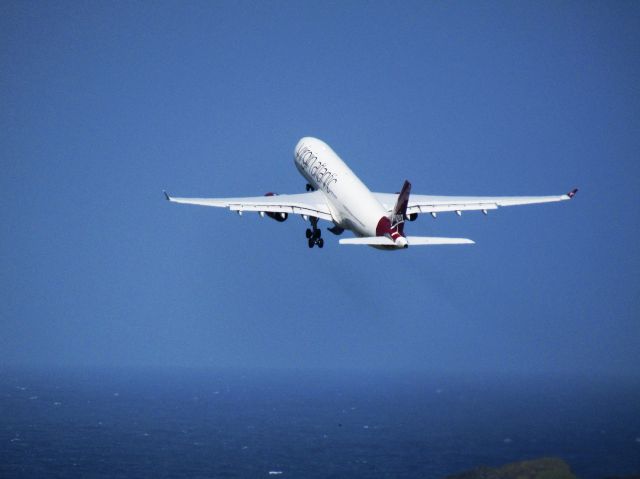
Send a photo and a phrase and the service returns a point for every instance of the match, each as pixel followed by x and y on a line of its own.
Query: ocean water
pixel 204 424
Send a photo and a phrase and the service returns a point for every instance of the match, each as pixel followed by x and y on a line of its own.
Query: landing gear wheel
pixel 313 234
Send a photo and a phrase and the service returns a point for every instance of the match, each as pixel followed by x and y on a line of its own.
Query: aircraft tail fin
pixel 400 209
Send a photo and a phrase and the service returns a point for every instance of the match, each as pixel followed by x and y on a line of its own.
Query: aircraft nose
pixel 306 140
pixel 311 142
pixel 299 145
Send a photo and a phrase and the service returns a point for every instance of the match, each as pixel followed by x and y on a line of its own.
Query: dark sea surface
pixel 309 425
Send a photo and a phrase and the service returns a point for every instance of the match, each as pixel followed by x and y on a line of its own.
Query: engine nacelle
pixel 279 217
pixel 412 216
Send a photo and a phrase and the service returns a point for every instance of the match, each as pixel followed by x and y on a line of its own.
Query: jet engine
pixel 280 217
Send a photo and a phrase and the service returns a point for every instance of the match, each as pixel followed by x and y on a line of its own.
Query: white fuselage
pixel 352 205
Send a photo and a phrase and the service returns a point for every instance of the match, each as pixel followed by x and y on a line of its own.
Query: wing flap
pixel 444 208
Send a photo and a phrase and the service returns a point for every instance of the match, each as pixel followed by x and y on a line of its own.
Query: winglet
pixel 166 195
pixel 572 193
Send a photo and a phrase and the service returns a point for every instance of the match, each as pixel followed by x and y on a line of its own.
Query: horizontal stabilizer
pixel 412 241
pixel 369 240
pixel 434 240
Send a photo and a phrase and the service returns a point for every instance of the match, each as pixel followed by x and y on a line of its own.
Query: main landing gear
pixel 314 234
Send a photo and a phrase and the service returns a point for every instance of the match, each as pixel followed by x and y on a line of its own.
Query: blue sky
pixel 106 104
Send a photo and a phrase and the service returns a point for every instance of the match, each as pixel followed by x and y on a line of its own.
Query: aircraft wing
pixel 311 204
pixel 437 204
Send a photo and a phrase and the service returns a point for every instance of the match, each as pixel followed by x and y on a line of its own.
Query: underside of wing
pixel 437 204
pixel 310 204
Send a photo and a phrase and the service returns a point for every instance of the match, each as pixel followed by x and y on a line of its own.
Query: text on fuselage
pixel 316 168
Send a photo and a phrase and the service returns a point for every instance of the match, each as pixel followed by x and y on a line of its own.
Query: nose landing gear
pixel 314 234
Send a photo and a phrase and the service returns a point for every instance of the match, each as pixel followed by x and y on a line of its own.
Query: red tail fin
pixel 400 210
pixel 393 226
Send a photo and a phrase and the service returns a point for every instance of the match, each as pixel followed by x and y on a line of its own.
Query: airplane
pixel 335 194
